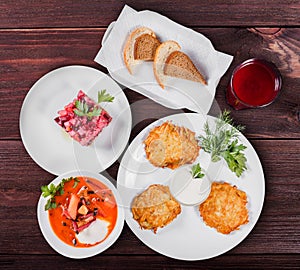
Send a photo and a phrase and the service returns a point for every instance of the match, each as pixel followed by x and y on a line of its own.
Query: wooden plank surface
pixel 29 54
pixel 39 36
pixel 279 223
pixel 11 262
pixel 91 13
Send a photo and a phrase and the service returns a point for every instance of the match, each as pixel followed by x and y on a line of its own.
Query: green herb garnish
pixel 104 97
pixel 82 109
pixel 54 191
pixel 76 181
pixel 223 142
pixel 196 171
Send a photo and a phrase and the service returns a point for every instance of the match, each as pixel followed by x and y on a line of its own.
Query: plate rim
pixel 230 246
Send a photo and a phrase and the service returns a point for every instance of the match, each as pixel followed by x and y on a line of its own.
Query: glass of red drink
pixel 254 83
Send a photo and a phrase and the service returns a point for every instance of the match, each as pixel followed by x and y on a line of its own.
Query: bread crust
pixel 145 46
pixel 166 53
pixel 180 65
pixel 128 51
pixel 159 61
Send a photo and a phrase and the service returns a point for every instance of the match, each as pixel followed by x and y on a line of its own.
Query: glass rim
pixel 278 80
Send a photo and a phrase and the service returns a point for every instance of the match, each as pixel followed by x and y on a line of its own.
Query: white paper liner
pixel 178 93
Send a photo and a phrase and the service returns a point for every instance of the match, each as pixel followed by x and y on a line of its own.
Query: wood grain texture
pixel 286 45
pixel 91 13
pixel 29 54
pixel 277 231
pixel 290 261
pixel 11 262
pixel 39 36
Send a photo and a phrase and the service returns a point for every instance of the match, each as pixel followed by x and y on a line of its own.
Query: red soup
pixel 254 83
pixel 84 203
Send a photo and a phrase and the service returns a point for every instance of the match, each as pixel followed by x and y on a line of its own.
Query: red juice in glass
pixel 254 83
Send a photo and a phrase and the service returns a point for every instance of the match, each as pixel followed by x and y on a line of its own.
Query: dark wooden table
pixel 39 36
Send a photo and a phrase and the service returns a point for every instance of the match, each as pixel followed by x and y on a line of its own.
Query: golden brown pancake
pixel 225 208
pixel 171 146
pixel 155 207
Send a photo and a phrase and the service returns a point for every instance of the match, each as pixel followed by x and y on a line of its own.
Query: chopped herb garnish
pixel 54 191
pixel 76 181
pixel 82 109
pixel 223 143
pixel 196 171
pixel 104 97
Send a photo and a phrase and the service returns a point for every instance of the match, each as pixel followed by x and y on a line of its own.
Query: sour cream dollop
pixel 188 190
pixel 95 233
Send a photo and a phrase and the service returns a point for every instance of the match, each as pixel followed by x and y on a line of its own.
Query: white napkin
pixel 178 93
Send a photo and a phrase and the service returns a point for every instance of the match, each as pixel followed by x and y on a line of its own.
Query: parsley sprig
pixel 197 171
pixel 82 109
pixel 222 142
pixel 104 97
pixel 54 191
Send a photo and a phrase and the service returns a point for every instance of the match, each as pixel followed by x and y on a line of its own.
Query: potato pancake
pixel 225 208
pixel 155 207
pixel 171 146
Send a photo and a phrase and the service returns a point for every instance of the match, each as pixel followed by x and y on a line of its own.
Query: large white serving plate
pixel 187 237
pixel 75 252
pixel 49 145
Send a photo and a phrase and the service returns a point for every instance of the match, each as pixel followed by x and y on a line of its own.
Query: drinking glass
pixel 254 83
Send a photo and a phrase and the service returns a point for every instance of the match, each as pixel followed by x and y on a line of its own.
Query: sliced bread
pixel 161 55
pixel 145 47
pixel 140 46
pixel 170 61
pixel 179 65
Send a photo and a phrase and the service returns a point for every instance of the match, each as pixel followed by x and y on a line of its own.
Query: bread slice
pixel 140 46
pixel 179 65
pixel 145 47
pixel 170 61
pixel 161 55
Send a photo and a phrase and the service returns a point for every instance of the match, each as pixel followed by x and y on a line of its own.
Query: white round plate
pixel 65 249
pixel 49 145
pixel 187 237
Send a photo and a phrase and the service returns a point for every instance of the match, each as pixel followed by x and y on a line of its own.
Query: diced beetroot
pixel 80 94
pixel 89 219
pixel 63 113
pixel 87 216
pixel 75 227
pixel 72 122
pixel 65 213
pixel 83 129
pixel 83 201
pixel 67 126
pixel 69 107
pixel 73 205
pixel 106 116
pixel 82 221
pixel 58 121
